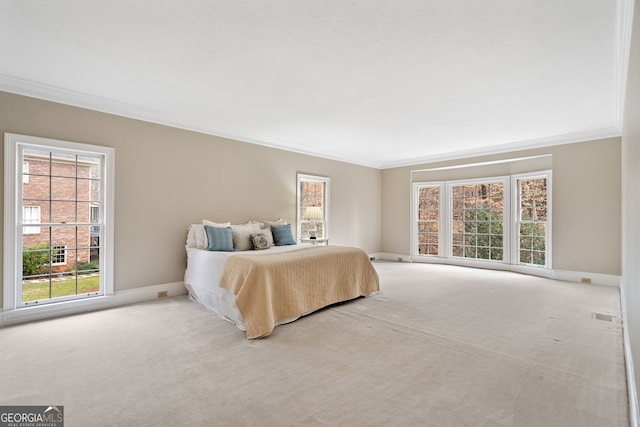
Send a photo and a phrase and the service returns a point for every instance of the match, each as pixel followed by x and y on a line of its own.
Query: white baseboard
pixel 147 293
pixel 387 256
pixel 594 278
pixel 128 296
pixel 566 275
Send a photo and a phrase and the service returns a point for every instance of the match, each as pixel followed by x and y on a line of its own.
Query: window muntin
pixel 313 201
pixel 71 256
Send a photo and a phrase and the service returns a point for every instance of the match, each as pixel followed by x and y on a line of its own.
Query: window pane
pixel 65 189
pixel 63 164
pixel 312 193
pixel 36 189
pixel 533 216
pixel 477 220
pixel 63 212
pixel 428 202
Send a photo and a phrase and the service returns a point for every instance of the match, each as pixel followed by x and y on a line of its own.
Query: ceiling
pixel 377 83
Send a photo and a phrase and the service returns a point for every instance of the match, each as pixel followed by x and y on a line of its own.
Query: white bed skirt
pixel 202 280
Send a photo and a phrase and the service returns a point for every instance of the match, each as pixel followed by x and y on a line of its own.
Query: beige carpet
pixel 442 346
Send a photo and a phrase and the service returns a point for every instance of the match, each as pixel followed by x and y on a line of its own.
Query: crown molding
pixel 45 92
pixel 59 95
pixel 571 138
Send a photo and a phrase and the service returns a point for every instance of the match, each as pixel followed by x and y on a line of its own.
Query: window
pixel 25 172
pixel 313 206
pixel 67 189
pixel 472 220
pixel 31 215
pixel 428 218
pixel 58 255
pixel 532 220
pixel 477 220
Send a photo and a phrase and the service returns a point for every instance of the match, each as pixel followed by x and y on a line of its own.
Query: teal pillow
pixel 219 238
pixel 282 235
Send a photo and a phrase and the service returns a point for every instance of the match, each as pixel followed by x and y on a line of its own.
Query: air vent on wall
pixel 604 317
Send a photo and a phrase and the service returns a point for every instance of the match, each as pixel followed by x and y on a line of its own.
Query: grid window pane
pixel 477 212
pixel 312 194
pixel 62 258
pixel 533 200
pixel 428 201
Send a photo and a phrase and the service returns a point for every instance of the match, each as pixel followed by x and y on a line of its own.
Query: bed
pixel 259 289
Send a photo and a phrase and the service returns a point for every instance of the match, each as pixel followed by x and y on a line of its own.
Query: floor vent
pixel 604 317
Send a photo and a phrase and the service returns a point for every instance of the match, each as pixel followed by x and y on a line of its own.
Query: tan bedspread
pixel 272 287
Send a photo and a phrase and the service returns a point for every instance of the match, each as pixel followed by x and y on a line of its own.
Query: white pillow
pixel 278 221
pixel 241 235
pixel 196 237
pixel 216 224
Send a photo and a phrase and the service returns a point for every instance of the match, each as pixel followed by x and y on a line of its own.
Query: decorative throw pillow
pixel 219 239
pixel 266 226
pixel 202 242
pixel 282 235
pixel 241 234
pixel 260 241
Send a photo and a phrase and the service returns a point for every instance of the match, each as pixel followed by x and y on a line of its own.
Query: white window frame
pixel 415 244
pixel 13 308
pixel 515 224
pixel 301 177
pixel 511 236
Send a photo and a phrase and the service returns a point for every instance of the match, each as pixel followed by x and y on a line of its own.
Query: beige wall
pixel 586 201
pixel 168 178
pixel 631 203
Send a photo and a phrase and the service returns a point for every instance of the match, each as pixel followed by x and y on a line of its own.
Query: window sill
pixel 63 308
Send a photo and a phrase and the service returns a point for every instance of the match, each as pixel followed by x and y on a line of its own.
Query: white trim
pixel 10 230
pixel 596 278
pixel 487 163
pixel 590 135
pixel 561 275
pixel 125 297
